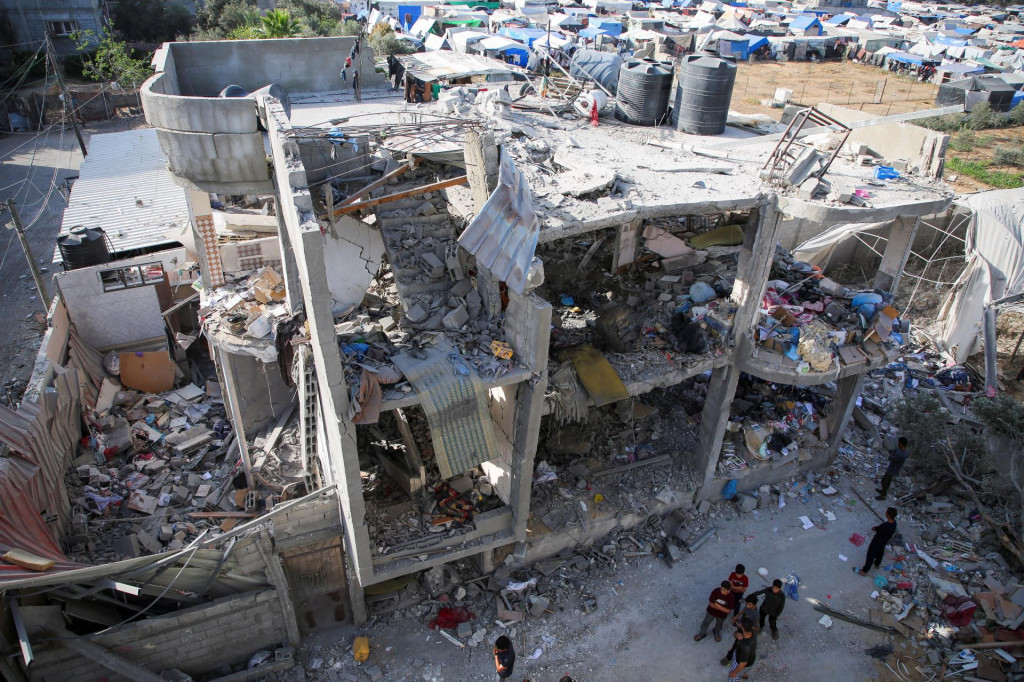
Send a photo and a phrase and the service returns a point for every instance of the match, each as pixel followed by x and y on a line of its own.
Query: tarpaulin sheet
pixel 995 268
pixel 597 375
pixel 819 249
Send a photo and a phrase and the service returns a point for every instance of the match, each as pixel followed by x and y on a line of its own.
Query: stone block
pixel 456 318
pixel 464 631
pixel 539 606
pixel 126 545
pixel 746 503
pixel 417 314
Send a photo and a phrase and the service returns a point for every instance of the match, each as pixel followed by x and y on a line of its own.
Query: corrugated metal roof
pixel 432 66
pixel 125 188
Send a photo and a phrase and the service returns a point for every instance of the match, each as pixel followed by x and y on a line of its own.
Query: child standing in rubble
pixel 720 605
pixel 883 534
pixel 772 606
pixel 504 657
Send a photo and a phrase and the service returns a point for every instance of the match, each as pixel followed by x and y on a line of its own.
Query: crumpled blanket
pixel 370 398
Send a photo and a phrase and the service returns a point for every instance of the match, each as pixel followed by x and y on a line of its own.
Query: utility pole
pixel 64 92
pixel 15 224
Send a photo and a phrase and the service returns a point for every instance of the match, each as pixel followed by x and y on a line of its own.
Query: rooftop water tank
pixel 83 247
pixel 644 87
pixel 703 91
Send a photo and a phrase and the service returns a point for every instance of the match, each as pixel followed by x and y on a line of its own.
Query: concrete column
pixel 481 155
pixel 293 298
pixel 841 410
pixel 233 398
pixel 528 328
pixel 296 208
pixel 627 243
pixel 755 263
pixel 897 250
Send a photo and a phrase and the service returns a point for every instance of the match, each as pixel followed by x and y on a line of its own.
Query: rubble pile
pixel 810 323
pixel 400 521
pixel 772 425
pixel 245 314
pixel 148 463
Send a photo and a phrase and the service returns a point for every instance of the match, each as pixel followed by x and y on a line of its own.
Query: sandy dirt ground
pixel 648 613
pixel 843 83
pixel 33 170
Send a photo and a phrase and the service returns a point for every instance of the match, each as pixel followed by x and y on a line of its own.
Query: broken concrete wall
pixel 262 394
pixel 353 252
pixel 498 470
pixel 107 319
pixel 323 159
pixel 196 641
pixel 921 148
pixel 309 522
pixel 252 254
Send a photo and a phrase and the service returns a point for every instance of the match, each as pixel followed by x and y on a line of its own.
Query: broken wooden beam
pixel 405 194
pixel 853 619
pixel 380 182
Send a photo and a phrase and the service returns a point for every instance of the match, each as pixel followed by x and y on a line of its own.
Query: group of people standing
pixel 729 600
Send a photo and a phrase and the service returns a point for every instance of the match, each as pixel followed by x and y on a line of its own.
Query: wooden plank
pixel 278 429
pixel 461 180
pixel 178 306
pixel 380 182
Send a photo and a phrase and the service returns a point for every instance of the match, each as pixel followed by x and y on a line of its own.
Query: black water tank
pixel 602 67
pixel 644 87
pixel 703 92
pixel 85 246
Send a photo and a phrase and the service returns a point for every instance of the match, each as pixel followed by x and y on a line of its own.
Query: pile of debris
pixel 156 470
pixel 244 315
pixel 810 323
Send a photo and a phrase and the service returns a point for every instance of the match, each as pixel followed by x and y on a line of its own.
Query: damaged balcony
pixel 413 513
pixel 612 467
pixel 655 302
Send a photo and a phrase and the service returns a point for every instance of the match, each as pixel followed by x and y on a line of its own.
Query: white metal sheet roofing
pixel 124 187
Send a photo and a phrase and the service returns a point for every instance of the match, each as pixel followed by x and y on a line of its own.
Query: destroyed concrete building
pixel 422 316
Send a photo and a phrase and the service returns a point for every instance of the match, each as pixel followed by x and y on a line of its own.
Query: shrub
pixel 950 123
pixel 1009 156
pixel 983 116
pixel 981 171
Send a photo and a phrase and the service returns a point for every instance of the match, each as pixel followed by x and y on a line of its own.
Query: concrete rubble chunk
pixel 456 318
pixel 416 314
pixel 746 503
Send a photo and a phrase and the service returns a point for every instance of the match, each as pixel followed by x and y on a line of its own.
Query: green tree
pixel 321 17
pixel 384 42
pixel 151 21
pixel 278 23
pixel 352 28
pixel 218 18
pixel 110 59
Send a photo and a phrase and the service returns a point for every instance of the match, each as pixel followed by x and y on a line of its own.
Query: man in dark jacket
pixel 772 606
pixel 883 534
pixel 896 460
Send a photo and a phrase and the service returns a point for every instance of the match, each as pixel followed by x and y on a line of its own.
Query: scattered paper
pixel 782 501
pixel 874 595
pixel 843 557
pixel 808 524
pixel 826 621
pixel 830 516
pixel 536 654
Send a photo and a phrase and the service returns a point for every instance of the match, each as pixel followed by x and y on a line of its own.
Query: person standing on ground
pixel 744 653
pixel 746 619
pixel 720 604
pixel 883 534
pixel 772 606
pixel 504 657
pixel 897 458
pixel 740 582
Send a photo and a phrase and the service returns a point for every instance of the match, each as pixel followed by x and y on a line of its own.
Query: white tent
pixel 995 268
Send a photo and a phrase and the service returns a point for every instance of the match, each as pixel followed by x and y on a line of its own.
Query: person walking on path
pixel 720 604
pixel 746 619
pixel 740 582
pixel 883 534
pixel 772 606
pixel 897 458
pixel 504 657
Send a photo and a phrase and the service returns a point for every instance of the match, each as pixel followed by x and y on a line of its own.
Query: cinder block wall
pixel 195 641
pixel 309 522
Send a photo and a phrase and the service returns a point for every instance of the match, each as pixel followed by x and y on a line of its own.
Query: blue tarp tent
pixel 838 20
pixel 754 43
pixel 949 41
pixel 593 32
pixel 523 35
pixel 805 25
pixel 612 27
pixel 408 14
pixel 907 58
pixel 733 48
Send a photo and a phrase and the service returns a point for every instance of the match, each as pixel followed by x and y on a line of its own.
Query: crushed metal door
pixel 316 577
